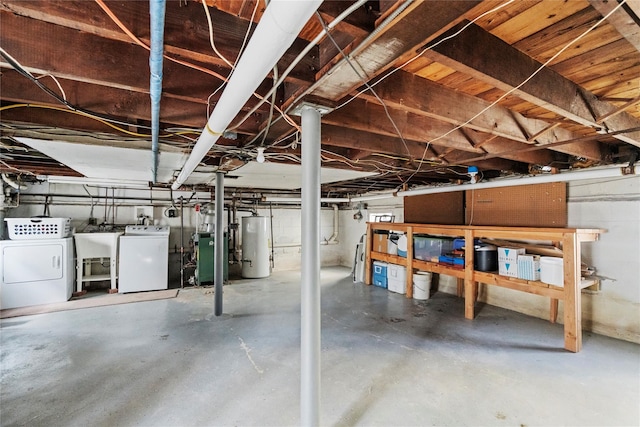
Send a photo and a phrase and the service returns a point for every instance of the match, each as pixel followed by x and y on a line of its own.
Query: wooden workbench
pixel 569 238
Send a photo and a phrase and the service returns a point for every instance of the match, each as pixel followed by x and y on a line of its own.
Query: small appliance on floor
pixel 37 263
pixel 144 258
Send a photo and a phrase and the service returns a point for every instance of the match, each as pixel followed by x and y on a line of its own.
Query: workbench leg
pixel 460 291
pixel 470 287
pixel 367 256
pixel 553 310
pixel 572 301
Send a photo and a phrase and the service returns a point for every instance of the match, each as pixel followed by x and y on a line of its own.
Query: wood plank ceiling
pixel 420 90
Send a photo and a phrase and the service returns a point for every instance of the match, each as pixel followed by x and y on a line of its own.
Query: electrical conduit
pixel 156 11
pixel 276 31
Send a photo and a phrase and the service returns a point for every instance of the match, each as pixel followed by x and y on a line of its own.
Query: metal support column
pixel 310 295
pixel 218 254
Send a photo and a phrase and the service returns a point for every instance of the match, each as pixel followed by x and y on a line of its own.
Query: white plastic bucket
pixel 552 270
pixel 421 285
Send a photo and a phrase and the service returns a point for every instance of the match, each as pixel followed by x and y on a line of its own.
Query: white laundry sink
pixel 96 245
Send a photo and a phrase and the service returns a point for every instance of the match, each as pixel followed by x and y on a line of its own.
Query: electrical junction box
pixel 143 213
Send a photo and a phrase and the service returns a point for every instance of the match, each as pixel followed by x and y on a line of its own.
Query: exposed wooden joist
pixel 349 138
pixel 370 117
pixel 186 29
pixel 484 56
pixel 116 103
pixel 620 19
pixel 423 97
pixel 420 21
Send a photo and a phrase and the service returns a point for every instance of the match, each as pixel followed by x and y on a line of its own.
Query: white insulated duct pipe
pixel 577 175
pixel 280 25
pixel 596 173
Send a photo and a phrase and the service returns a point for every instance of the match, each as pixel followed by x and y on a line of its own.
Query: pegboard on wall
pixel 439 208
pixel 537 205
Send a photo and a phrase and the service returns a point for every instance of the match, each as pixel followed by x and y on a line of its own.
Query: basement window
pixel 382 217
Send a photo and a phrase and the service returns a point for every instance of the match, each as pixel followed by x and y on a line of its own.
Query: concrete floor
pixel 386 361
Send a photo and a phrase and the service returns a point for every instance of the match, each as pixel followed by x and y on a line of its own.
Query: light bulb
pixel 260 156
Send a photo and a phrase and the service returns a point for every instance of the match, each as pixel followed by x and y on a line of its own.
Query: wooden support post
pixel 368 261
pixel 553 310
pixel 572 301
pixel 470 286
pixel 409 279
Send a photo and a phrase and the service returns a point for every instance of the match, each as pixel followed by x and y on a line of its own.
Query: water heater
pixel 255 247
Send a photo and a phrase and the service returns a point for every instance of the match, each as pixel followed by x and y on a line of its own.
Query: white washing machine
pixel 143 263
pixel 36 272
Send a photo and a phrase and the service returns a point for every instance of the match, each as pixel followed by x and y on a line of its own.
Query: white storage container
pixel 397 278
pixel 38 228
pixel 552 270
pixel 422 285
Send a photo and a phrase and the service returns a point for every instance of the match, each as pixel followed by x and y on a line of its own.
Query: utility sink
pixel 96 245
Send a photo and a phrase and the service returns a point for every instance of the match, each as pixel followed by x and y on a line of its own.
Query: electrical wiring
pixel 366 83
pixel 244 43
pixel 91 116
pixel 20 171
pixel 64 95
pixel 428 47
pixel 211 41
pixel 22 71
pixel 124 28
pixel 299 58
pixel 509 92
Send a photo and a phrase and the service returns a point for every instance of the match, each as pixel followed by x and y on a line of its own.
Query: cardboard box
pixel 380 243
pixel 508 260
pixel 529 267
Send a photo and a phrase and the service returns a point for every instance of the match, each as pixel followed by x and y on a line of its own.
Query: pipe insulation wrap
pixel 276 31
pixel 157 10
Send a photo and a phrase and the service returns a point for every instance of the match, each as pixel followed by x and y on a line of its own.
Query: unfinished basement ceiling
pixel 420 90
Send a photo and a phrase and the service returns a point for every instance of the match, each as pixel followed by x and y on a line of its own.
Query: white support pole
pixel 310 294
pixel 218 250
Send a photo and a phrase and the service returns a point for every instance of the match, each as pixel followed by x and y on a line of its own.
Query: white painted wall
pixel 286 221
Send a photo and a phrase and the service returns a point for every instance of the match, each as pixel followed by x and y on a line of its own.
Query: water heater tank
pixel 255 247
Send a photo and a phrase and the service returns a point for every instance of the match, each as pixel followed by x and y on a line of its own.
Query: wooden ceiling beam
pixel 114 102
pixel 186 34
pixel 620 19
pixel 424 97
pixel 367 116
pixel 348 138
pixel 419 22
pixel 484 56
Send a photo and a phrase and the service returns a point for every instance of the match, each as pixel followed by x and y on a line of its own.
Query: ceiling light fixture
pixel 260 156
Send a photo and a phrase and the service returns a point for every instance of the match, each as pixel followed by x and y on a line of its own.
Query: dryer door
pixel 32 263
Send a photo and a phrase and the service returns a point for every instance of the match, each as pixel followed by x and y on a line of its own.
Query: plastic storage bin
pixel 397 278
pixel 380 274
pixel 429 248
